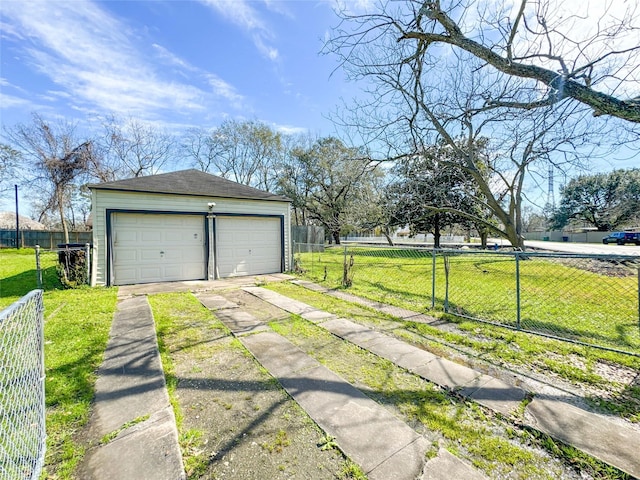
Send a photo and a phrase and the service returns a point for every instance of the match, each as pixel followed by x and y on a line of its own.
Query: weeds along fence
pixel 588 299
pixel 22 401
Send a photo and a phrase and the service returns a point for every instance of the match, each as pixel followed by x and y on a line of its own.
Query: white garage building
pixel 186 225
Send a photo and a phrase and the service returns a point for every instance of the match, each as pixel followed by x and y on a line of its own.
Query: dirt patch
pixel 607 267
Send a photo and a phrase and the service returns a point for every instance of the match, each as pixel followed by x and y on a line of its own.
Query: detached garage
pixel 186 225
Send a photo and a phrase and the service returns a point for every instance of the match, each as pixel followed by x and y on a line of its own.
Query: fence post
pixel 517 290
pixel 87 261
pixel 446 282
pixel 38 269
pixel 433 279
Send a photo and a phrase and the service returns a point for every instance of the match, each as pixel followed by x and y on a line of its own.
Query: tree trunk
pixel 436 231
pixel 65 229
pixel 385 232
pixel 336 236
pixel 483 239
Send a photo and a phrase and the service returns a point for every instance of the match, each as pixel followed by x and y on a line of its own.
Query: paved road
pixel 586 248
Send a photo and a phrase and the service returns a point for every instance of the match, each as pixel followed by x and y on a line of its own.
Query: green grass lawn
pixel 77 324
pixel 557 298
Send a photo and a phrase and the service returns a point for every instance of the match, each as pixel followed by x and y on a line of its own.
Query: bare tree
pixel 55 158
pixel 420 95
pixel 246 152
pixel 562 54
pixel 198 147
pixel 133 149
pixel 9 159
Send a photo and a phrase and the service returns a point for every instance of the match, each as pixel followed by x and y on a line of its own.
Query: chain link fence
pixel 588 299
pixel 22 401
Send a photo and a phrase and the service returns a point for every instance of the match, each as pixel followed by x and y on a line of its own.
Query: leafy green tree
pixel 431 192
pixel 605 200
pixel 324 181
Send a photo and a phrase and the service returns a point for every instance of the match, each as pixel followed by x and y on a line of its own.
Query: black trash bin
pixel 71 256
pixel 565 239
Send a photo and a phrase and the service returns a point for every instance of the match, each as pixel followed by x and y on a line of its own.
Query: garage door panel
pixel 126 255
pixel 248 246
pixel 139 240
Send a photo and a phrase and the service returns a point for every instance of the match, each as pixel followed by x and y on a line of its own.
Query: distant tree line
pixel 331 184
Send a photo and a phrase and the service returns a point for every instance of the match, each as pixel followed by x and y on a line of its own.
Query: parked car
pixel 622 237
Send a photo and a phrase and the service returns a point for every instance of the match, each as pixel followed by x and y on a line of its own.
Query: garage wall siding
pixel 118 200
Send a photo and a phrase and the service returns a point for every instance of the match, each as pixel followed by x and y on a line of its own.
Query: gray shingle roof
pixel 189 182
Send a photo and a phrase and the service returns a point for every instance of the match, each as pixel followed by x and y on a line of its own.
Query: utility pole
pixel 17 220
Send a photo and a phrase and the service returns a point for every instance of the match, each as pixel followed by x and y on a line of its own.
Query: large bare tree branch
pixel 563 84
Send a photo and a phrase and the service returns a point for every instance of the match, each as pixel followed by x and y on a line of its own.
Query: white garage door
pixel 248 246
pixel 157 248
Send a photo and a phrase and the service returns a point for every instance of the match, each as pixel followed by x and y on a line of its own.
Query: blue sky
pixel 183 63
pixel 177 64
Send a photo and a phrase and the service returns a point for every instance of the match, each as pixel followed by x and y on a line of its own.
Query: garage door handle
pixel 161 253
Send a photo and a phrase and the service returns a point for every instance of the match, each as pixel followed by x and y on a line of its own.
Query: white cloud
pixel 290 130
pixel 90 54
pixel 223 89
pixel 244 15
pixel 11 101
pixel 355 7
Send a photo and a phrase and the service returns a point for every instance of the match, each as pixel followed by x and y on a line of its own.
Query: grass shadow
pixel 22 283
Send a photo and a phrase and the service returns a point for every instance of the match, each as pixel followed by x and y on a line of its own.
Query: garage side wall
pixel 103 200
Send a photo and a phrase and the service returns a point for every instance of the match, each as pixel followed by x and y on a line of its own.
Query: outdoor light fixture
pixel 211 205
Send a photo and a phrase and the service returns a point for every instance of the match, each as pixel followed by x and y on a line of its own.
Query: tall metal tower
pixel 551 198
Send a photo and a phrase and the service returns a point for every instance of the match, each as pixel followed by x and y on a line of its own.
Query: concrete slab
pixel 410 460
pixel 423 318
pixel 385 447
pixel 200 285
pixel 311 286
pixel 146 453
pixel 280 301
pixel 241 323
pixel 445 373
pixel 318 316
pixel 397 351
pixel 398 311
pixel 354 299
pixel 215 302
pixel 130 381
pixel 494 394
pixel 131 386
pixel 354 332
pixel 280 358
pixel 351 417
pixel 609 441
pixel 401 353
pixel 447 465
